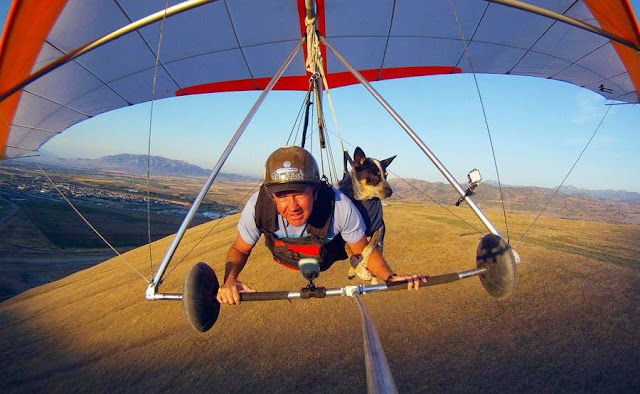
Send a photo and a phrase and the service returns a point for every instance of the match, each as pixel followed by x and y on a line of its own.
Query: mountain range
pixel 580 204
pixel 570 202
pixel 162 166
pixel 138 164
pixel 606 194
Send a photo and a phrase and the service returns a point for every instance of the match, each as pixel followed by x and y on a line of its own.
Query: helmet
pixel 290 168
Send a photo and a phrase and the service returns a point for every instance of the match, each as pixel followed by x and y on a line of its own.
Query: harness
pixel 288 250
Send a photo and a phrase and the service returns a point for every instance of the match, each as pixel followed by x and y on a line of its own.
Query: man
pixel 300 216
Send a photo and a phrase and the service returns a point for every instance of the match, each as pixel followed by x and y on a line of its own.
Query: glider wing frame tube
pixel 152 290
pixel 412 134
pixel 521 5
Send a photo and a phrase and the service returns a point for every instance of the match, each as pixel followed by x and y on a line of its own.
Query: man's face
pixel 295 206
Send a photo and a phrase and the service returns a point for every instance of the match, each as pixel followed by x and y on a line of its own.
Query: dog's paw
pixel 363 273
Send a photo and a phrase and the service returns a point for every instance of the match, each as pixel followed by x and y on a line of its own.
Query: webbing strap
pixel 314 57
pixel 308 103
pixel 346 158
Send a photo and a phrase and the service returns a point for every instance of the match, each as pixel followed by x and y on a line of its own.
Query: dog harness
pixel 288 250
pixel 370 210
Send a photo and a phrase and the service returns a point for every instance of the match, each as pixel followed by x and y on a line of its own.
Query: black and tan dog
pixel 366 185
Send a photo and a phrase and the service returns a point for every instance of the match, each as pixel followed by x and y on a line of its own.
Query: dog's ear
pixel 385 163
pixel 358 157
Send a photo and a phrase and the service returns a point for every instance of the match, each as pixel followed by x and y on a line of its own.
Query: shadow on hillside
pixel 25 270
pixel 563 335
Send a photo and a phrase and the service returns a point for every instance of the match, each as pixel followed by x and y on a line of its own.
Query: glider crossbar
pixel 352 291
pixel 151 293
pixel 412 134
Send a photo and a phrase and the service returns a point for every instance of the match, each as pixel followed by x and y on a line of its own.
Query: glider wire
pixel 484 112
pixel 331 162
pixel 566 176
pixel 321 159
pixel 422 192
pixel 153 95
pixel 331 159
pixel 436 202
pixel 244 199
pixel 19 157
pixel 314 64
pixel 89 224
pixel 297 123
pixel 327 89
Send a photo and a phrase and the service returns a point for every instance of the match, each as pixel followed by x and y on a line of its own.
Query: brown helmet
pixel 290 168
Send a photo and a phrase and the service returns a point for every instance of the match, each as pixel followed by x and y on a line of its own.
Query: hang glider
pixel 237 45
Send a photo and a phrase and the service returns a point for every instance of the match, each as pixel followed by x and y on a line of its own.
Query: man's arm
pixel 237 257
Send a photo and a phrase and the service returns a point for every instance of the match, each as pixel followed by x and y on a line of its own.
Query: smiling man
pixel 300 216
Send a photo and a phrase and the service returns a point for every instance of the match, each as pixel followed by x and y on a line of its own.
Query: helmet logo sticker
pixel 287 173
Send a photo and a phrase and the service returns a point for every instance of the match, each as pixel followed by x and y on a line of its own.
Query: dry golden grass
pixel 572 324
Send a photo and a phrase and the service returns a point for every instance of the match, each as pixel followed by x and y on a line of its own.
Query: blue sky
pixel 538 127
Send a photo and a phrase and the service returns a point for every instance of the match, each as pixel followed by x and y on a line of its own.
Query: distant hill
pixel 440 190
pixel 579 204
pixel 158 165
pixel 137 164
pixel 608 194
pixel 572 203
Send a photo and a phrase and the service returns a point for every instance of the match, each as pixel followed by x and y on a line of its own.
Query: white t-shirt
pixel 346 221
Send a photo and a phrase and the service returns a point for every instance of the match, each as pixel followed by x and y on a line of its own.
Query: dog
pixel 366 185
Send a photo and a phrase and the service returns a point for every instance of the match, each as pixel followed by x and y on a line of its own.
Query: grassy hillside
pixel 571 325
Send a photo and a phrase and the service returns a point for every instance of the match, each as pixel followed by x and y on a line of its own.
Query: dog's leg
pixel 361 270
pixel 366 252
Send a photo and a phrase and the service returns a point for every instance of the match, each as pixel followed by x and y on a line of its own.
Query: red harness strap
pixel 311 250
